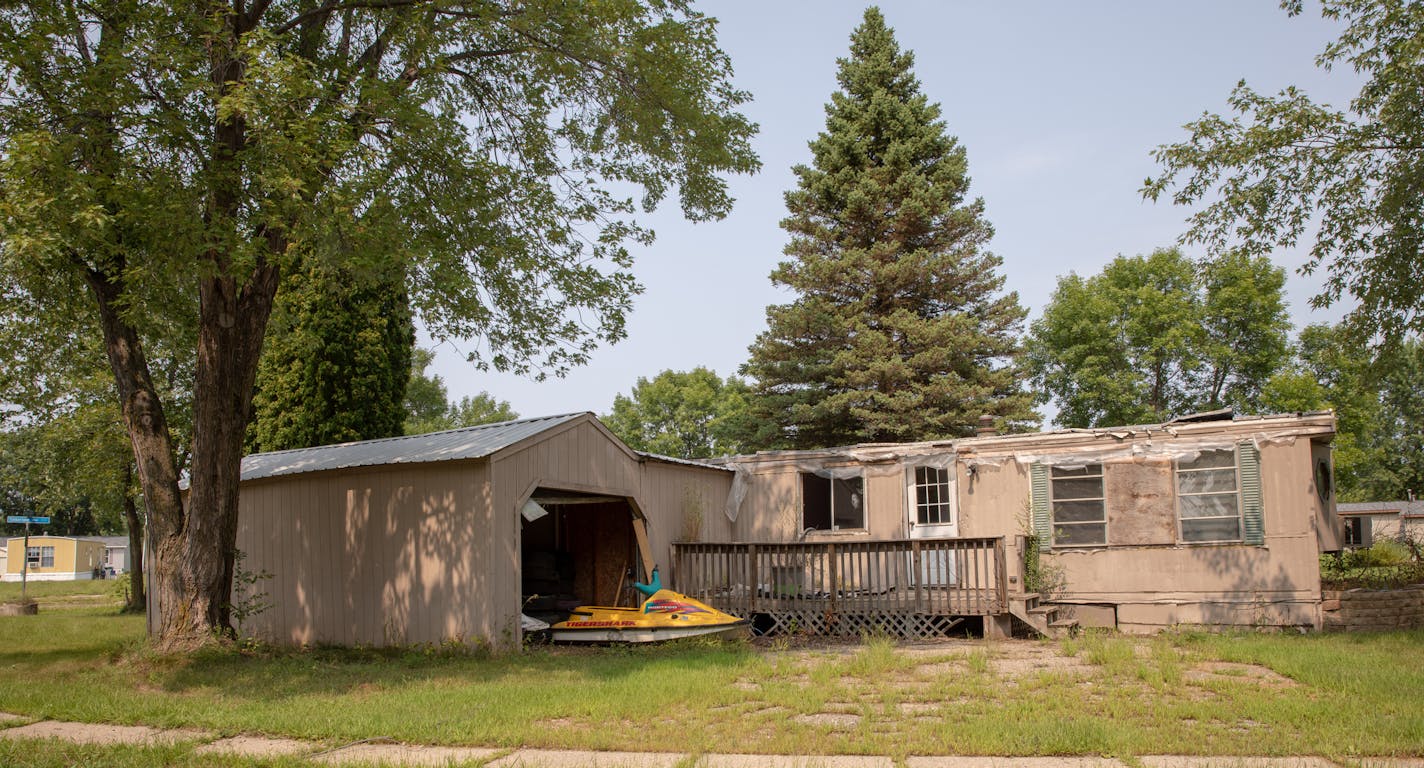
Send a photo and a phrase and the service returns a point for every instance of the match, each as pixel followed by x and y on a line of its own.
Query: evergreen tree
pixel 336 361
pixel 900 330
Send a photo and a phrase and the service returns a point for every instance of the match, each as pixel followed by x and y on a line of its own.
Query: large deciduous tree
pixel 429 409
pixel 159 157
pixel 685 414
pixel 899 330
pixel 336 361
pixel 1152 337
pixel 1378 403
pixel 1286 168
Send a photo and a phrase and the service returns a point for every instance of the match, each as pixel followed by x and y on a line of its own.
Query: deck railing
pixel 934 577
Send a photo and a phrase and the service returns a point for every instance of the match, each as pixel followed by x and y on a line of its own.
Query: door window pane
pixel 932 496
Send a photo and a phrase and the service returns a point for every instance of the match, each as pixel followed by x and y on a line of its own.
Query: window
pixel 1208 501
pixel 933 504
pixel 1357 532
pixel 829 504
pixel 39 557
pixel 1076 504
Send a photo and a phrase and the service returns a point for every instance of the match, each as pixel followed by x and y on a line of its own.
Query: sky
pixel 1057 104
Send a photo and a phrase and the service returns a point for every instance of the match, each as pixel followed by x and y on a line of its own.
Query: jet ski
pixel 663 615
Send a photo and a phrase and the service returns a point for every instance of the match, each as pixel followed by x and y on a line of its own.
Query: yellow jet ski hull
pixel 667 615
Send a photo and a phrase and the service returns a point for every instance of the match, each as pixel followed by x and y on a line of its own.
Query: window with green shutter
pixel 1038 504
pixel 1219 496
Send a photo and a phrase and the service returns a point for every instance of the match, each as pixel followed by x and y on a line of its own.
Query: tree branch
pixel 329 8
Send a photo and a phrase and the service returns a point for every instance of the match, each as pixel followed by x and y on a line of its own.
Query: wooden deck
pixel 912 587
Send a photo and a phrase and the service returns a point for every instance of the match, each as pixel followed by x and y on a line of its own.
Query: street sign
pixel 24 519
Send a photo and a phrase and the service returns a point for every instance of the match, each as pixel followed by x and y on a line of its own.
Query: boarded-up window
pixel 1208 498
pixel 932 496
pixel 1076 496
pixel 829 504
pixel 1141 502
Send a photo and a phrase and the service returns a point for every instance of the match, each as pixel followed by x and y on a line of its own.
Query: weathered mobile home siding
pixel 1328 527
pixel 375 556
pixel 1152 578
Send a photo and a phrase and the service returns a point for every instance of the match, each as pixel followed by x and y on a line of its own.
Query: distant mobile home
pixel 53 558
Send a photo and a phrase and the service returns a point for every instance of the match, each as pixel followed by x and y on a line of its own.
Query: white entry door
pixel 933 514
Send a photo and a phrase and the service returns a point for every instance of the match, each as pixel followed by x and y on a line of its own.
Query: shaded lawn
pixel 1336 695
pixel 43 592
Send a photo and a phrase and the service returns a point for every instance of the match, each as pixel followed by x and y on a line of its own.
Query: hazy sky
pixel 1058 105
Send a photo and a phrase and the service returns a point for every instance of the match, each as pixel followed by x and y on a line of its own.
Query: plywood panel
pixel 1140 502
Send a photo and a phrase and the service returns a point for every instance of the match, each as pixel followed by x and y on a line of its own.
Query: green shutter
pixel 1248 459
pixel 1038 497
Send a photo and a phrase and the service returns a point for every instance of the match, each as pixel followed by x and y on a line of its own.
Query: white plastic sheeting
pixel 880 460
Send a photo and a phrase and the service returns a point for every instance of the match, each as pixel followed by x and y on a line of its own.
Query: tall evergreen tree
pixel 900 330
pixel 336 360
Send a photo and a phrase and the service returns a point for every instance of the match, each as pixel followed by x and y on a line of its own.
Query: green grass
pixel 59 754
pixel 1333 695
pixel 65 594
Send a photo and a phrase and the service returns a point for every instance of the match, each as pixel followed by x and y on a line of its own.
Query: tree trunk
pixel 138 602
pixel 232 322
pixel 144 419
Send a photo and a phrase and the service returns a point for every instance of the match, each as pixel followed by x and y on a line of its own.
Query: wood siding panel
pixel 377 556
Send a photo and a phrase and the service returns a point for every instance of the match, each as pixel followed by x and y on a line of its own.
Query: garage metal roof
pixel 467 443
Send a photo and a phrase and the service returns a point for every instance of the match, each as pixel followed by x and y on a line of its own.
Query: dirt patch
pixel 836 720
pixel 917 707
pixel 93 733
pixel 767 711
pixel 746 685
pixel 1217 671
pixel 401 754
pixel 939 669
pixel 256 746
pixel 1037 659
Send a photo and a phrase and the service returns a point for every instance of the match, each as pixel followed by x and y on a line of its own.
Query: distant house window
pixel 932 496
pixel 1208 498
pixel 829 504
pixel 1357 532
pixel 40 557
pixel 1076 506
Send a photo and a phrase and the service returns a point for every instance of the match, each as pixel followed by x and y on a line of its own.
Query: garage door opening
pixel 577 549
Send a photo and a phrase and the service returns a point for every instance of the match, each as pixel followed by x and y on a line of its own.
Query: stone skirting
pixel 1372 610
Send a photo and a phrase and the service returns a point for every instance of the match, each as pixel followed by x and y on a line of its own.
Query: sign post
pixel 25 569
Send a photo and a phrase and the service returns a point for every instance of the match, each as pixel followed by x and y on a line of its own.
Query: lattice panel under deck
pixel 903 625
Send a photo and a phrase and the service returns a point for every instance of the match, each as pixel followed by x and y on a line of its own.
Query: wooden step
pixel 1063 624
pixel 1044 610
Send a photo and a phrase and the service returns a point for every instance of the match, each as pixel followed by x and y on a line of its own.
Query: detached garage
pixel 451 535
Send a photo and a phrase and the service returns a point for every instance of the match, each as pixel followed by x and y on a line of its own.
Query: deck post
pixel 752 585
pixel 1001 575
pixel 831 573
pixel 916 574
